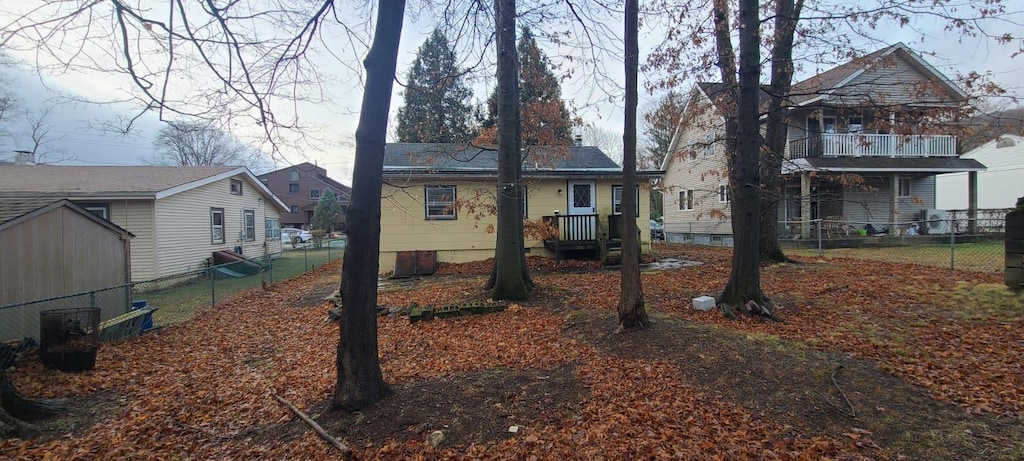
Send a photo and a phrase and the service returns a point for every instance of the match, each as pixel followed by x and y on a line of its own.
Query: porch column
pixel 894 203
pixel 972 202
pixel 805 206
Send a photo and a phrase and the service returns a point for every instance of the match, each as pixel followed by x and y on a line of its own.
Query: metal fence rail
pixel 177 297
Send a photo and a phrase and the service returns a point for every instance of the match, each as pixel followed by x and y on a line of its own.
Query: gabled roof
pixel 117 182
pixel 714 89
pixel 14 211
pixel 457 159
pixel 821 85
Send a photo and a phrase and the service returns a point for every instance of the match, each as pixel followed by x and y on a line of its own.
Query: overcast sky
pixel 336 120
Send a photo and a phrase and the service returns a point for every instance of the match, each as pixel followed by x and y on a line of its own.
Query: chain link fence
pixel 958 243
pixel 177 298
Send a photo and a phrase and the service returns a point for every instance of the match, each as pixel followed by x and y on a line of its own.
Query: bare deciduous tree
pixel 199 143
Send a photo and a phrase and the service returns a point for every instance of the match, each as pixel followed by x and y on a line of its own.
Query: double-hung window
pixel 709 145
pixel 903 183
pixel 617 200
pixel 236 187
pixel 249 221
pixel 272 228
pixel 216 225
pixel 440 202
pixel 723 194
pixel 685 200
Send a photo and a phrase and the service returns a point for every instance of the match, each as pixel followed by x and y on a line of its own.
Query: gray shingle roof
pixel 75 180
pixel 12 208
pixel 455 158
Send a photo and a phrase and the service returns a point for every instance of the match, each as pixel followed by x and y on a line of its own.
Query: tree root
pixel 345 451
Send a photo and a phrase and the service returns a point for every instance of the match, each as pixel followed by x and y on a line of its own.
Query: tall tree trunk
pixel 509 270
pixel 360 382
pixel 787 13
pixel 631 302
pixel 745 279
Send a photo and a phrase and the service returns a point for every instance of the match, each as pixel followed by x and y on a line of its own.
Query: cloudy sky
pixel 76 139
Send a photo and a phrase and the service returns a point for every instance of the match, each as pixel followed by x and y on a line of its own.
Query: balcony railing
pixel 872 145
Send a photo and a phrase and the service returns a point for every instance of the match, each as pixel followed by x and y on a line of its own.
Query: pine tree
pixel 545 119
pixel 436 107
pixel 326 212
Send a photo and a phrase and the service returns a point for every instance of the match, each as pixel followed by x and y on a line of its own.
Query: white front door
pixel 582 201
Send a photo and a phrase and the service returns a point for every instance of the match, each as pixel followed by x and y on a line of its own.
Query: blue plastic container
pixel 147 321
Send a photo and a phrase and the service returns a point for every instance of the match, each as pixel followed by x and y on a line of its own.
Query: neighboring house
pixel 179 215
pixel 856 151
pixel 300 188
pixel 440 198
pixel 999 186
pixel 54 248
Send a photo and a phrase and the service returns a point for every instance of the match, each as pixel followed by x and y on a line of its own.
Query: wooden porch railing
pixel 576 227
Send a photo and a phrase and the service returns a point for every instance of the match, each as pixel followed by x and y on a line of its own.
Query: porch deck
pixel 872 145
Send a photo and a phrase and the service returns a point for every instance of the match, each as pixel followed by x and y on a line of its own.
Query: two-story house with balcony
pixel 300 187
pixel 865 142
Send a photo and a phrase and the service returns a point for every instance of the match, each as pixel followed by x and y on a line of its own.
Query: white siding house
pixel 998 187
pixel 848 158
pixel 179 215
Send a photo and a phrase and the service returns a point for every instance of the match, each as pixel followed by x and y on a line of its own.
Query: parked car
pixel 657 230
pixel 289 233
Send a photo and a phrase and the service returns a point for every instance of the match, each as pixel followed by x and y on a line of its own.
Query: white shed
pixel 998 187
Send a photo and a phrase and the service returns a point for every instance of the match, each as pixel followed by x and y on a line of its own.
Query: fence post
pixel 821 248
pixel 305 259
pixel 952 248
pixel 92 299
pixel 213 288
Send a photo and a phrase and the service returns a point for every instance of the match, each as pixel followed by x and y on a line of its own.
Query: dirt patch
pixel 469 408
pixel 81 414
pixel 792 384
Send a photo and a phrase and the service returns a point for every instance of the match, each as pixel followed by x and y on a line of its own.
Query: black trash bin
pixel 69 338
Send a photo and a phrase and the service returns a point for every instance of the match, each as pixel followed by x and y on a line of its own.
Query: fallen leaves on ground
pixel 203 389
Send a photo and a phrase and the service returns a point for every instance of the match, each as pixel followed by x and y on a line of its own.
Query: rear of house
pixel 440 198
pixel 866 140
pixel 179 215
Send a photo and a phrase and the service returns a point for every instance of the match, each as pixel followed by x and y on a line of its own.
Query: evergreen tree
pixel 436 107
pixel 326 212
pixel 545 119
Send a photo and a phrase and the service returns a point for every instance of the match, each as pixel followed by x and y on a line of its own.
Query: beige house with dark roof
pixel 865 142
pixel 179 215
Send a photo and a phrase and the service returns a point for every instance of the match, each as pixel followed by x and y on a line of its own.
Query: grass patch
pixel 985 256
pixel 181 301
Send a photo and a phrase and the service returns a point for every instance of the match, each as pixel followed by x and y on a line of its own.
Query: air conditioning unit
pixel 934 222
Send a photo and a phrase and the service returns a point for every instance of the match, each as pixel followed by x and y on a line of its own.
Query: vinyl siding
pixel 183 237
pixel 471 236
pixel 870 204
pixel 891 81
pixel 136 216
pixel 689 169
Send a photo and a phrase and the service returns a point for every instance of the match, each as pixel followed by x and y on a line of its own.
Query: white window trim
pixel 246 214
pixel 899 187
pixel 709 145
pixel 214 227
pixel 685 198
pixel 427 204
pixel 616 203
pixel 723 194
pixel 235 190
pixel 272 228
